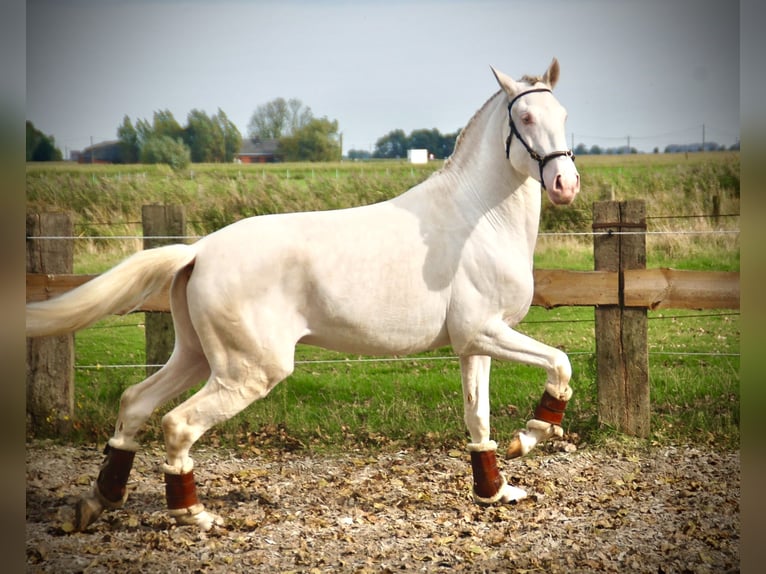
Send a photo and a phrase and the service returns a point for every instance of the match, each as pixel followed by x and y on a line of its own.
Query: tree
pixel 446 145
pixel 396 143
pixel 165 124
pixel 232 138
pixel 318 140
pixel 392 145
pixel 278 118
pixel 129 143
pixel 202 136
pixel 425 139
pixel 144 132
pixel 211 139
pixel 164 143
pixel 581 149
pixel 41 147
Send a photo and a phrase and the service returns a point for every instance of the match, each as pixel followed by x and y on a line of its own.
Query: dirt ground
pixel 606 509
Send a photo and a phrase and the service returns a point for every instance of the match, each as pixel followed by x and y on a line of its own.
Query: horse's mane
pixel 531 80
pixel 467 128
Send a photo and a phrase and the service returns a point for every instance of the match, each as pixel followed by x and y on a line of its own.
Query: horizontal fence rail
pixel 662 288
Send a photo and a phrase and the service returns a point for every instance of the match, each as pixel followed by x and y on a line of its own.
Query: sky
pixel 651 72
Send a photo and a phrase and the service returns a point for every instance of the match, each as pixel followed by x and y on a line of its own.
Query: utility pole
pixel 703 137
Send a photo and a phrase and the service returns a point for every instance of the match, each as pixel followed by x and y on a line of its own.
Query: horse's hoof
pixel 87 511
pixel 505 494
pixel 512 493
pixel 202 519
pixel 515 450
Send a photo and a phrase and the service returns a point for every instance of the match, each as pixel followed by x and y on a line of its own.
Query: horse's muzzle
pixel 564 189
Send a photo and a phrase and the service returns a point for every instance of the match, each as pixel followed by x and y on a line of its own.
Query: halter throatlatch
pixel 540 159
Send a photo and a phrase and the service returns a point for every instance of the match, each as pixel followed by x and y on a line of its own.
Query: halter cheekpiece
pixel 540 159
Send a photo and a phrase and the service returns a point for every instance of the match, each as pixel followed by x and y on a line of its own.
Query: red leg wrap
pixel 550 409
pixel 114 473
pixel 180 490
pixel 486 478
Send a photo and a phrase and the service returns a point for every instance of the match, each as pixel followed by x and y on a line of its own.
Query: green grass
pixel 335 402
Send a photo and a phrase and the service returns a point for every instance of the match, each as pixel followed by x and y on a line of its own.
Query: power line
pixel 677 132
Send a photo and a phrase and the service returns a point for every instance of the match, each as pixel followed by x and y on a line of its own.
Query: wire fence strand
pixel 345 361
pixel 541 234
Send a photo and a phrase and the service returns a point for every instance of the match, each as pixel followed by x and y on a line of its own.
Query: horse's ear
pixel 508 84
pixel 551 76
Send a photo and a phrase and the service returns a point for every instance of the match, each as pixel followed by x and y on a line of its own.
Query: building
pixel 258 151
pixel 104 152
pixel 417 155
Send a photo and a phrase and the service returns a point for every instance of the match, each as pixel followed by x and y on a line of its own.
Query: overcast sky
pixel 654 70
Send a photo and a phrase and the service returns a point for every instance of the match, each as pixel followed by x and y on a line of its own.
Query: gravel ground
pixel 606 509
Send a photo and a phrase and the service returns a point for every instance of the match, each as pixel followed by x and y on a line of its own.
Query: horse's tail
pixel 120 289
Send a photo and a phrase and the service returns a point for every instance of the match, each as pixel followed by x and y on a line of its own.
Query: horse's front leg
pixel 545 424
pixel 489 485
pixel 498 340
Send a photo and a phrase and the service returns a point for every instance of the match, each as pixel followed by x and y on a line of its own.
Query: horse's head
pixel 536 144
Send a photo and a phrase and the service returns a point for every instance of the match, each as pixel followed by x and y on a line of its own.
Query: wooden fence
pixel 620 289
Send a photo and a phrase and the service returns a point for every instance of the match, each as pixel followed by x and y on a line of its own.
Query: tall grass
pixel 334 401
pixel 107 200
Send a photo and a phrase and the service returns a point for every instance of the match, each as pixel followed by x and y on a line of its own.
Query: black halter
pixel 541 160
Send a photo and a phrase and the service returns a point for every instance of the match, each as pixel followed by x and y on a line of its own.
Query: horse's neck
pixel 500 198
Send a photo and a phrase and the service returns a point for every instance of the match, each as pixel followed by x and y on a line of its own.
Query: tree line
pixel 395 144
pixel 204 138
pixel 582 149
pixel 301 136
pixel 211 139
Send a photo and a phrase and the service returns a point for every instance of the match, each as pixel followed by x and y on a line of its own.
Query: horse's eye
pixel 527 119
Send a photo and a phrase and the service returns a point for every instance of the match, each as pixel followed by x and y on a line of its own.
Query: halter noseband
pixel 541 160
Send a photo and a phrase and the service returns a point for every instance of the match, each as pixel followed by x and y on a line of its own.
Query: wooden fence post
pixel 50 360
pixel 159 223
pixel 621 332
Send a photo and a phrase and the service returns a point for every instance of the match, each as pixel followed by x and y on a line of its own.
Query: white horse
pixel 449 262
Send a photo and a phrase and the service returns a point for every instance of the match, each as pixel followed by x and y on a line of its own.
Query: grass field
pixel 336 402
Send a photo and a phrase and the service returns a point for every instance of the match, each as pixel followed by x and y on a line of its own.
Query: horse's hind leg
pixel 183 370
pixel 186 367
pixel 234 384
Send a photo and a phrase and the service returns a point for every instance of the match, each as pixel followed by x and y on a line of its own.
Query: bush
pixel 165 149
